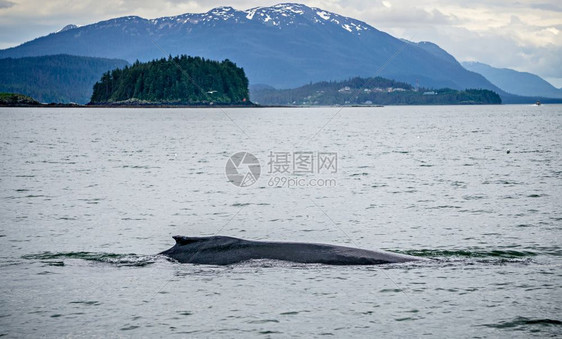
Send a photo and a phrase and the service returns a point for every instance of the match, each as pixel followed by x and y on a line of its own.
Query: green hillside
pixel 54 78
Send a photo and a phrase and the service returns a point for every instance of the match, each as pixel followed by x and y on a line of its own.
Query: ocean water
pixel 89 196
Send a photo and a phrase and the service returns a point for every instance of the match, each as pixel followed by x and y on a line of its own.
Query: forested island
pixel 181 80
pixel 370 91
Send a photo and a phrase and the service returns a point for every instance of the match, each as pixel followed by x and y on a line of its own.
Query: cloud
pixel 524 35
pixel 547 7
pixel 6 4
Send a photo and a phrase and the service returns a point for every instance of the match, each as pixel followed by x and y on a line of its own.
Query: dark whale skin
pixel 222 250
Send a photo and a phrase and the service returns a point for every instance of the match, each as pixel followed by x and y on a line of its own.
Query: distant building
pixel 429 93
pixel 398 89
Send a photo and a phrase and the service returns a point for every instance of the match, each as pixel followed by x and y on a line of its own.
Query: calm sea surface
pixel 89 196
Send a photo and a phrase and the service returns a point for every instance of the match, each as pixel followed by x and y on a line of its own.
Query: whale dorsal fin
pixel 216 240
pixel 183 240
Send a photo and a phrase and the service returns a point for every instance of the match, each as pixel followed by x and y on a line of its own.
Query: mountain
pixel 55 78
pixel 520 83
pixel 285 45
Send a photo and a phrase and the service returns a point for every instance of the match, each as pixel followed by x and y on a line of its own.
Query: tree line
pixel 371 91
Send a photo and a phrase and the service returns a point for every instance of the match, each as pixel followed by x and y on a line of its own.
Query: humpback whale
pixel 223 250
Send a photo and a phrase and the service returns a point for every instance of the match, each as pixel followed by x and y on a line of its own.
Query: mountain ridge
pixel 515 82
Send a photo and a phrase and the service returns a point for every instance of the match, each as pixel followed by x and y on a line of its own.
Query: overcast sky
pixel 524 35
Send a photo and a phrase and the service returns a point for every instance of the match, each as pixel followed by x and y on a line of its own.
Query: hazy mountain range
pixel 285 46
pixel 520 83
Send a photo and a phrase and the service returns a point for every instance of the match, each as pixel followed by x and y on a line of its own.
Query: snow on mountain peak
pixel 323 14
pixel 279 16
pixel 67 28
pixel 285 14
pixel 225 12
pixel 251 12
pixel 289 7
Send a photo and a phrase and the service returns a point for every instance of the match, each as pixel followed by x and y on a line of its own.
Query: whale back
pixel 223 250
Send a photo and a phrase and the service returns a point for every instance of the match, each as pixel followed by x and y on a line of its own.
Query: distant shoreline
pixel 61 105
pixel 250 106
